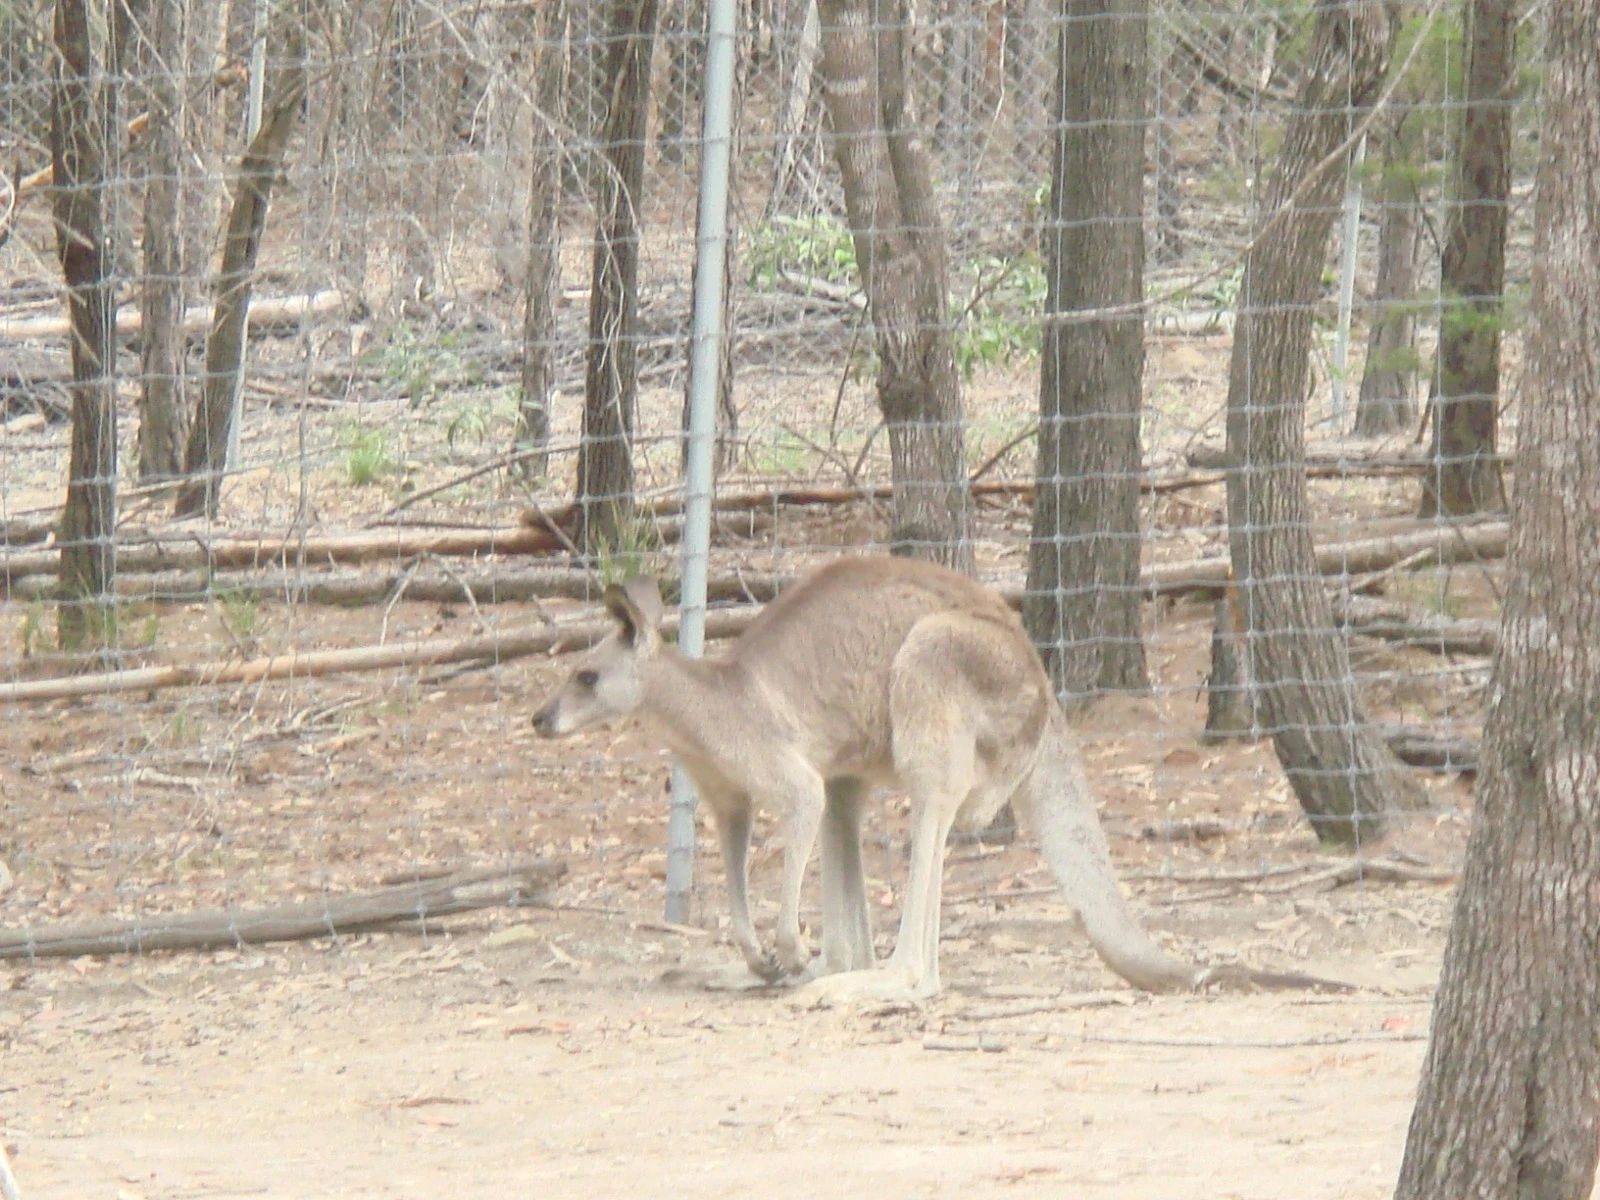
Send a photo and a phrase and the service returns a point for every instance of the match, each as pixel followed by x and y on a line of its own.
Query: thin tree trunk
pixel 161 411
pixel 205 458
pixel 1084 601
pixel 1472 277
pixel 900 250
pixel 1388 402
pixel 83 109
pixel 611 378
pixel 1509 1101
pixel 543 284
pixel 1346 779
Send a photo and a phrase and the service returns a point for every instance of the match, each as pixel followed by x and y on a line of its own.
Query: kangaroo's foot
pixel 886 984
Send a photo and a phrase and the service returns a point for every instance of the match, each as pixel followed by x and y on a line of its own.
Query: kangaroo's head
pixel 605 684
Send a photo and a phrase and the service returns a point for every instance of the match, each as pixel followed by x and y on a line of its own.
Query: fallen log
pixel 1331 462
pixel 325 917
pixel 1405 626
pixel 1449 544
pixel 1419 746
pixel 175 552
pixel 353 589
pixel 264 313
pixel 492 648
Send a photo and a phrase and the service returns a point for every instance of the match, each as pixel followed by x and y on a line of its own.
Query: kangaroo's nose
pixel 544 721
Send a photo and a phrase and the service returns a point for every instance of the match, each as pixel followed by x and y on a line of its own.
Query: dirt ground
pixel 561 1049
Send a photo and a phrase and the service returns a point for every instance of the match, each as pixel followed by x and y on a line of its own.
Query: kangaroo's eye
pixel 588 679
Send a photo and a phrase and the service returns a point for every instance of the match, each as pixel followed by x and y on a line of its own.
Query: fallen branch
pixel 266 312
pixel 1405 626
pixel 1334 463
pixel 1451 544
pixel 499 647
pixel 175 552
pixel 1418 746
pixel 327 917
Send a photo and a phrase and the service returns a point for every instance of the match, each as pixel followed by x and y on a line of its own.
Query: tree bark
pixel 1084 600
pixel 1388 402
pixel 205 458
pixel 543 284
pixel 161 410
pixel 1346 780
pixel 83 109
pixel 1466 478
pixel 611 377
pixel 1509 1101
pixel 900 251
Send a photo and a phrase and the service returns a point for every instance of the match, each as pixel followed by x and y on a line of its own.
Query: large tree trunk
pixel 1509 1102
pixel 1083 600
pixel 161 411
pixel 1466 476
pixel 543 284
pixel 83 109
pixel 1388 402
pixel 900 251
pixel 611 378
pixel 1345 777
pixel 206 458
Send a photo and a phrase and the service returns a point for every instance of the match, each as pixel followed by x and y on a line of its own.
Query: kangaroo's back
pixel 821 655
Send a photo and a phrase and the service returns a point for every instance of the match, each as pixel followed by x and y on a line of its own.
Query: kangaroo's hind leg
pixel 846 922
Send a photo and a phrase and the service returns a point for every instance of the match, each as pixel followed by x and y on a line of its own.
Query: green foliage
pixel 817 247
pixel 367 458
pixel 413 365
pixel 1000 322
pixel 636 549
pixel 31 634
pixel 239 612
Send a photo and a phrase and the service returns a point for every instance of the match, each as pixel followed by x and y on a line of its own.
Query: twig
pixel 495 464
pixel 398 591
pixel 989 463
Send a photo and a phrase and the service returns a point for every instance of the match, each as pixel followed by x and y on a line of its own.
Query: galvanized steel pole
pixel 705 359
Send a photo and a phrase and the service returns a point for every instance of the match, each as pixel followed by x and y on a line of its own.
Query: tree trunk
pixel 205 459
pixel 83 109
pixel 1509 1102
pixel 543 284
pixel 900 251
pixel 1345 778
pixel 161 411
pixel 1388 402
pixel 1466 478
pixel 611 377
pixel 1084 602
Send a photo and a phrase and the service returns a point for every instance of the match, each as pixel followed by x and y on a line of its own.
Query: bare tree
pixel 1388 402
pixel 1466 474
pixel 205 457
pixel 1083 600
pixel 900 251
pixel 1509 1101
pixel 1345 777
pixel 83 109
pixel 611 377
pixel 542 287
pixel 161 411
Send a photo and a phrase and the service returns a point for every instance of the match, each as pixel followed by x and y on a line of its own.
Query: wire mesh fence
pixel 456 413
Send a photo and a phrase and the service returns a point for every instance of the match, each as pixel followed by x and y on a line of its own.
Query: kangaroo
pixel 870 671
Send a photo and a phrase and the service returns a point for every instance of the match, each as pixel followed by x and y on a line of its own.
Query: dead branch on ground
pixel 1405 626
pixel 266 313
pixel 327 917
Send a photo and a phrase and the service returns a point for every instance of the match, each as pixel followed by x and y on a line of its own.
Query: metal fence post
pixel 705 357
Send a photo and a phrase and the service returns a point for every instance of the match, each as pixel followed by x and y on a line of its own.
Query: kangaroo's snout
pixel 544 721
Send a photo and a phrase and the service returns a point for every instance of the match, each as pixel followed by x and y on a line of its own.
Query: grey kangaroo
pixel 870 671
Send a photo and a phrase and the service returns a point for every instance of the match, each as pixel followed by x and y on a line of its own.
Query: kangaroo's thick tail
pixel 1061 809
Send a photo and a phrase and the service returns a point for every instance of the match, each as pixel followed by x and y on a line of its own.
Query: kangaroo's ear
pixel 636 608
pixel 645 593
